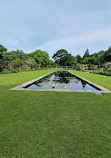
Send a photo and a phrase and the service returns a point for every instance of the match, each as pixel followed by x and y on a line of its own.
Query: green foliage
pixel 97 58
pixel 2 50
pixel 12 70
pixel 79 59
pixel 107 73
pixel 60 57
pixel 2 65
pixel 86 54
pixel 64 59
pixel 31 63
pixel 5 71
pixel 107 55
pixel 26 68
pixel 41 57
pixel 17 63
pixel 88 60
pixel 109 70
pixel 10 56
pixel 70 60
pixel 85 60
pixel 51 64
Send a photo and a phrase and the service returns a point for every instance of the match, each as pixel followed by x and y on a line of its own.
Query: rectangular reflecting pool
pixel 62 80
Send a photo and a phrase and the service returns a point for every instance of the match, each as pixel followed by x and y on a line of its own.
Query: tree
pixel 17 63
pixel 60 57
pixel 40 57
pixel 85 60
pixel 91 60
pixel 2 50
pixel 86 54
pixel 70 60
pixel 31 63
pixel 10 56
pixel 107 55
pixel 2 63
pixel 79 59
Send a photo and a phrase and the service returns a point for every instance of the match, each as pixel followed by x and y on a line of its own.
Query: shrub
pixel 109 70
pixel 102 72
pixel 12 70
pixel 5 71
pixel 17 63
pixel 24 68
pixel 31 63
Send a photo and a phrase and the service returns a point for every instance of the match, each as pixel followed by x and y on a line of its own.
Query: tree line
pixel 17 61
pixel 63 58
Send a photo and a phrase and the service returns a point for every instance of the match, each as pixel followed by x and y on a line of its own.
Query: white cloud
pixel 74 41
pixel 52 25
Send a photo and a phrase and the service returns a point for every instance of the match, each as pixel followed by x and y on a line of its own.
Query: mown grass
pixel 52 124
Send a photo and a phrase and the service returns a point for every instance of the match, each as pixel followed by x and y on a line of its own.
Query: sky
pixel 50 25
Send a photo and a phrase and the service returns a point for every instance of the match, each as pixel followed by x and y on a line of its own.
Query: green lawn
pixel 54 124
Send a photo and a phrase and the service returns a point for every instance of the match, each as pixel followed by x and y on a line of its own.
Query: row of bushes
pixel 18 65
pixel 22 69
pixel 107 73
pixel 11 70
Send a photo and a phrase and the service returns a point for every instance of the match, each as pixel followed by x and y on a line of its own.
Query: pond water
pixel 62 80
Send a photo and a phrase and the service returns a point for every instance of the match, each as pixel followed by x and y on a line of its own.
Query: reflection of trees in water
pixel 63 74
pixel 75 80
pixel 41 83
pixel 62 80
pixel 62 77
pixel 83 83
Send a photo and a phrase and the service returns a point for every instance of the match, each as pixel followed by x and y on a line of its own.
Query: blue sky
pixel 50 25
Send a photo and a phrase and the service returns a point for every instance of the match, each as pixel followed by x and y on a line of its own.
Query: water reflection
pixel 62 77
pixel 61 80
pixel 83 84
